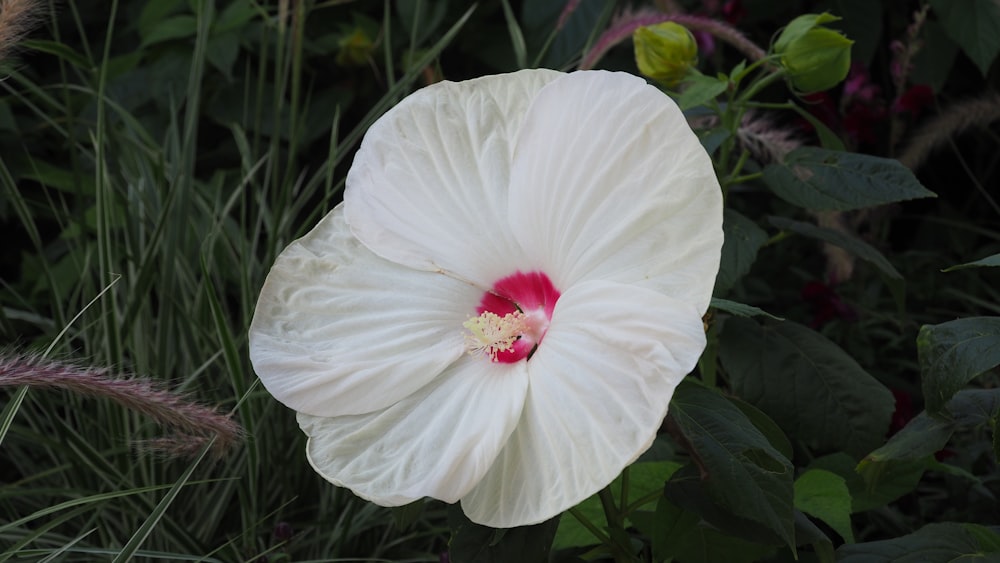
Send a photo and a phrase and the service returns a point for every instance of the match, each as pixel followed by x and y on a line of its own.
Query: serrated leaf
pixel 989 261
pixel 816 392
pixel 743 239
pixel 745 473
pixel 824 495
pixel 953 353
pixel 855 246
pixel 700 89
pixel 934 542
pixel 974 25
pixel 825 180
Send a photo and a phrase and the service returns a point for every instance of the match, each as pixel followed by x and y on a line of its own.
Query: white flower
pixel 501 308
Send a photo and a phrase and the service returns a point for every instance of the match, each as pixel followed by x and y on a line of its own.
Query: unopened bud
pixel 814 57
pixel 665 52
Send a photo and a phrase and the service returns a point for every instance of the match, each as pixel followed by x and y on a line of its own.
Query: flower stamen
pixel 489 333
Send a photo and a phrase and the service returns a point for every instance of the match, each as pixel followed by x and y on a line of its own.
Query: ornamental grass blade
pixel 132 546
pixel 953 353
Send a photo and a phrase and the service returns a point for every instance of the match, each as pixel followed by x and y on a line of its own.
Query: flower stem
pixel 586 523
pixel 618 542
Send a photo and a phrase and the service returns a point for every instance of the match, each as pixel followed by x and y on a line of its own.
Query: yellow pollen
pixel 490 334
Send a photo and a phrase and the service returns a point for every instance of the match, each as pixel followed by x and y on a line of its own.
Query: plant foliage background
pixel 156 155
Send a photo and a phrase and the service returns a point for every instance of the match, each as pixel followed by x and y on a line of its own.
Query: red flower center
pixel 513 316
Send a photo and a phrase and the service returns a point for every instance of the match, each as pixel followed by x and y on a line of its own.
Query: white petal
pixel 609 182
pixel 437 442
pixel 428 187
pixel 338 330
pixel 599 386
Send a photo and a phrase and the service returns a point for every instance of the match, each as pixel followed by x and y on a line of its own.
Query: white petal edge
pixel 428 187
pixel 609 182
pixel 438 442
pixel 338 330
pixel 599 386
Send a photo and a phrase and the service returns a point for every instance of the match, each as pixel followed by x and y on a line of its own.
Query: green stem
pixel 616 526
pixel 761 84
pixel 586 523
pixel 745 178
pixel 623 497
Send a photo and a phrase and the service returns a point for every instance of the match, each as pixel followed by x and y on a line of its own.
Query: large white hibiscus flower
pixel 501 308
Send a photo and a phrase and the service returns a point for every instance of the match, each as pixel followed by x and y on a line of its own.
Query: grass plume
pixel 197 424
pixel 17 18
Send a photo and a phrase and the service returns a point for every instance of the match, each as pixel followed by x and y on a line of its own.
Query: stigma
pixel 490 334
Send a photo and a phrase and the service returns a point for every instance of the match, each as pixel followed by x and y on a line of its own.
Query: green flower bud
pixel 665 52
pixel 815 58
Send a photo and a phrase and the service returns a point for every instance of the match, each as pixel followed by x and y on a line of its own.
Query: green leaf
pixel 154 12
pixel 824 495
pixel 934 542
pixel 974 25
pixel 806 532
pixel 645 478
pixel 827 138
pixel 472 542
pixel 741 309
pixel 743 239
pixel 878 484
pixel 816 392
pixel 743 472
pixel 920 438
pixel 799 27
pixel 700 89
pixel 821 179
pixel 855 246
pixel 767 426
pixel 679 534
pixel 712 139
pixel 174 27
pixel 989 261
pixel 953 353
pixel 61 50
pixel 925 435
